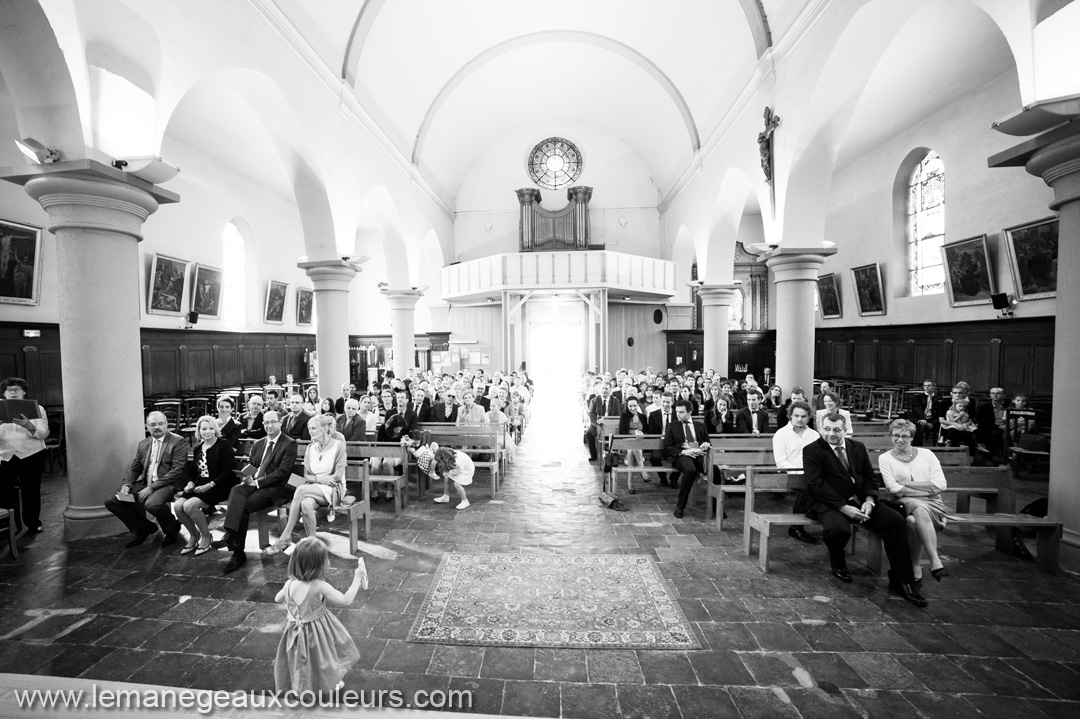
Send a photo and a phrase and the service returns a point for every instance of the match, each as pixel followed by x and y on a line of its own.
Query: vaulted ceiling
pixel 446 79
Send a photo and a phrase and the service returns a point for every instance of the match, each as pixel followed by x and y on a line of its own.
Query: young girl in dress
pixel 315 651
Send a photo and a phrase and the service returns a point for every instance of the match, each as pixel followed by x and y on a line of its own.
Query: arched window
pixel 926 226
pixel 234 279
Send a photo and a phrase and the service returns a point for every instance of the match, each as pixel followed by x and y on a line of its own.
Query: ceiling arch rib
pixel 360 29
pixel 759 25
pixel 588 38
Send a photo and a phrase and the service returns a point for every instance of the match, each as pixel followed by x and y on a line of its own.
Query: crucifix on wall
pixel 765 146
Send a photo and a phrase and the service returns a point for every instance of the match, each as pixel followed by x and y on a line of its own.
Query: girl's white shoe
pixel 463 504
pixel 443 499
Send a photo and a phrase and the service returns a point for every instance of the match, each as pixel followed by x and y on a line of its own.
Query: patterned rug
pixel 515 600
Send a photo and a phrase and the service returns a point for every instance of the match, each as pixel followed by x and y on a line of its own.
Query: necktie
pixel 667 418
pixel 753 417
pixel 929 406
pixel 288 423
pixel 266 459
pixel 842 455
pixel 688 429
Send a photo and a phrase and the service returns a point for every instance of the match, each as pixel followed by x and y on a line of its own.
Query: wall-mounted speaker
pixel 193 318
pixel 1000 301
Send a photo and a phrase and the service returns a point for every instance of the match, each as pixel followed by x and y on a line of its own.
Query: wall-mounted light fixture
pixel 37 152
pixel 148 168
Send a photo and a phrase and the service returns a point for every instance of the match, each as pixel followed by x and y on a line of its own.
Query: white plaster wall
pixel 978 200
pixel 622 188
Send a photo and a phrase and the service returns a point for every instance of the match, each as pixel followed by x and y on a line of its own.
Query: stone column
pixel 580 196
pixel 716 314
pixel 402 305
pixel 795 272
pixel 1055 157
pixel 96 213
pixel 331 280
pixel 528 197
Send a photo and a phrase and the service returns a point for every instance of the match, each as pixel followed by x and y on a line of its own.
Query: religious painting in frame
pixel 206 291
pixel 968 278
pixel 274 311
pixel 1033 255
pixel 167 280
pixel 20 263
pixel 304 300
pixel 869 293
pixel 828 287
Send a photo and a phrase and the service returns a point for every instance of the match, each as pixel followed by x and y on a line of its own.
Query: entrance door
pixel 555 341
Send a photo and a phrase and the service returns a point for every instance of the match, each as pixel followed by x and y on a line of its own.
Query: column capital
pixel 86 194
pixel 718 295
pixel 1055 162
pixel 402 299
pixel 528 195
pixel 790 264
pixel 330 274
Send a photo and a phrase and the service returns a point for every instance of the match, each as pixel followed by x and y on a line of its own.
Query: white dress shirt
pixel 787 446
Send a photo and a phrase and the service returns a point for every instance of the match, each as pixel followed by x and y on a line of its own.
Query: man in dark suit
pixel 446 410
pixel 990 419
pixel 294 424
pixel 602 405
pixel 266 485
pixel 925 410
pixel 843 491
pixel 350 424
pixel 155 475
pixel 657 423
pixel 752 419
pixel 685 444
pixel 251 425
pixel 347 391
pixel 819 398
pixel 784 413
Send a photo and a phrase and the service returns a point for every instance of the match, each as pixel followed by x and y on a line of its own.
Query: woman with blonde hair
pixel 324 480
pixel 210 479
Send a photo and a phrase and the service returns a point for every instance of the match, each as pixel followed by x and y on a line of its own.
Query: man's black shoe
pixel 171 536
pixel 225 541
pixel 142 535
pixel 801 534
pixel 909 593
pixel 841 573
pixel 238 560
pixel 678 514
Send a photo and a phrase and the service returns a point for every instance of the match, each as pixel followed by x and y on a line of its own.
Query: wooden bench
pixel 993 485
pixel 357 451
pixel 475 440
pixel 647 443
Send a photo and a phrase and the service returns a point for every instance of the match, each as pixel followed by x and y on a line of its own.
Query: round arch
pixel 684 253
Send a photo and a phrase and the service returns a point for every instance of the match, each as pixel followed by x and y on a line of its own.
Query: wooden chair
pixel 7 519
pixel 54 446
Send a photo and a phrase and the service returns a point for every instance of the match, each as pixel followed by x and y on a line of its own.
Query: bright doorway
pixel 555 342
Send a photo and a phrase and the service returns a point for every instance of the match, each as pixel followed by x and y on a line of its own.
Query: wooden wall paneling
pixel 821 359
pixel 294 360
pixel 1042 370
pixel 929 362
pixel 1015 373
pixel 164 366
pixel 840 365
pixel 866 359
pixel 274 359
pixel 51 389
pixel 226 366
pixel 198 368
pixel 11 362
pixel 972 364
pixel 253 364
pixel 31 370
pixel 893 362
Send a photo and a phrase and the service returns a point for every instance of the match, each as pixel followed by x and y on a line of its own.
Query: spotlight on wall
pixel 148 168
pixel 489 300
pixel 383 285
pixel 1003 302
pixel 36 152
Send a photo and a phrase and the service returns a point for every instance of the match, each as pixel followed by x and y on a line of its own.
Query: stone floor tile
pixel 456 661
pixel 531 699
pixel 930 639
pixel 757 703
pixel 644 702
pixel 719 667
pixel 945 706
pixel 588 701
pixel 882 671
pixel 941 674
pixel 879 703
pixel 72 660
pixel 878 638
pixel 777 637
pixel 1061 680
pixel 816 703
pixel 828 667
pixel 697 702
pixel 1000 678
pixel 613 666
pixel 562 665
pixel 409 657
pixel 217 641
pixel 998 707
pixel 508 663
pixel 133 633
pixel 257 645
pixel 215 673
pixel 165 668
pixel 732 637
pixel 118 665
pixel 771 669
pixel 826 637
pixel 666 667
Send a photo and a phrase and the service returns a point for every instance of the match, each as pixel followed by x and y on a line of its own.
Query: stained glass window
pixel 234 280
pixel 554 163
pixel 926 226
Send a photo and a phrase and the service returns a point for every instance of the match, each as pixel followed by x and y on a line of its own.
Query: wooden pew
pixel 647 444
pixel 357 451
pixel 476 440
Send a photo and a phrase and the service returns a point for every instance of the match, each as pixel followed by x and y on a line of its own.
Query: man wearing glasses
pixel 265 484
pixel 843 491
